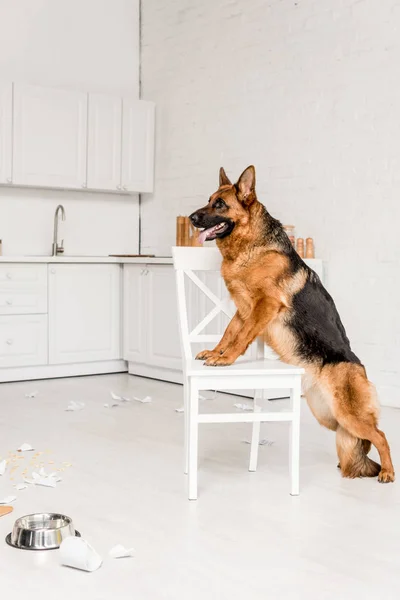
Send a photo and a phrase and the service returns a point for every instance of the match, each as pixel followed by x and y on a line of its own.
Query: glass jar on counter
pixel 290 230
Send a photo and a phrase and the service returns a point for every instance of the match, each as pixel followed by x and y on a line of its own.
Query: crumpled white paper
pixel 25 448
pixel 44 479
pixel 243 406
pixel 31 394
pixel 260 443
pixel 3 467
pixel 181 409
pixel 73 405
pixel 77 553
pixel 145 400
pixel 119 551
pixel 8 499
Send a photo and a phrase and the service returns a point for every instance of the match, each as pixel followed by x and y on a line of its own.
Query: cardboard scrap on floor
pixel 5 510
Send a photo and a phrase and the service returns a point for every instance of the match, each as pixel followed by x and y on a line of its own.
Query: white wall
pixel 308 92
pixel 90 45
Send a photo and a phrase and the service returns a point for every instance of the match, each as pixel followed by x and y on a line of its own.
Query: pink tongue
pixel 203 235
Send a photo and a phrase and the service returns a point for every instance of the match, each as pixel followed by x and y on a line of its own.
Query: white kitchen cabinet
pixel 104 142
pixel 135 313
pixel 50 137
pixel 137 145
pixel 151 334
pixel 163 343
pixel 6 133
pixel 23 340
pixel 84 313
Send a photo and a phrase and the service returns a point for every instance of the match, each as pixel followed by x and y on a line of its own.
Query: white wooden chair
pixel 259 374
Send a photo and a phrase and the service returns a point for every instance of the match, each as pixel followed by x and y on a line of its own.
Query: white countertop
pixel 161 260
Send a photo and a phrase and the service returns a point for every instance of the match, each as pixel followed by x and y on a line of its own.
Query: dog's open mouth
pixel 213 232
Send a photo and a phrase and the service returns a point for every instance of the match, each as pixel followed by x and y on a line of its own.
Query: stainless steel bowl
pixel 41 531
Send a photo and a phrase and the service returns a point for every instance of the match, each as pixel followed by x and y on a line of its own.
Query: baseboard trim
pixel 70 370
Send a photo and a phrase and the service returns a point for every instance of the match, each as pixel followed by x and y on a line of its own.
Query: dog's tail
pixel 353 458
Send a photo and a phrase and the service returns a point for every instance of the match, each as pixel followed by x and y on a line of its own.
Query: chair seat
pixel 242 367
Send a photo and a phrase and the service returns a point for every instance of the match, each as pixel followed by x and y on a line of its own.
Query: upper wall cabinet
pixel 5 132
pixel 50 137
pixel 65 139
pixel 138 146
pixel 104 142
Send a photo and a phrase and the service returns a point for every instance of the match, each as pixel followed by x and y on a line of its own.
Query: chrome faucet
pixel 56 249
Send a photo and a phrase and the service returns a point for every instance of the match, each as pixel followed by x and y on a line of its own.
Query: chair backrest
pixel 186 261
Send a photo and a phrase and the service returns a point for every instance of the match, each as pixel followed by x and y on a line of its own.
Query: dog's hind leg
pixel 353 460
pixel 356 410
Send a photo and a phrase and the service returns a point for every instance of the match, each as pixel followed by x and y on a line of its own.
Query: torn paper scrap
pixel 119 551
pixel 243 406
pixel 181 409
pixel 115 397
pixel 3 466
pixel 42 478
pixel 25 448
pixel 75 405
pixel 20 486
pixel 32 394
pixel 145 400
pixel 125 399
pixel 260 443
pixel 30 481
pixel 111 405
pixel 8 499
pixel 77 553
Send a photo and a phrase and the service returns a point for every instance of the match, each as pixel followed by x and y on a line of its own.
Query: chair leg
pixel 193 401
pixel 186 410
pixel 295 440
pixel 255 435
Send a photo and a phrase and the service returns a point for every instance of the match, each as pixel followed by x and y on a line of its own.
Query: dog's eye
pixel 219 203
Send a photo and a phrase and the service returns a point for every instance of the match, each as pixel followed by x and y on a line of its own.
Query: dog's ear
pixel 246 185
pixel 223 178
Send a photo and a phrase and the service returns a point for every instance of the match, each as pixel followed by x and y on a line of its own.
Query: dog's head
pixel 227 208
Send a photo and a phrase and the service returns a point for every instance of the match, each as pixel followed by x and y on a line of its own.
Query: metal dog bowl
pixel 41 531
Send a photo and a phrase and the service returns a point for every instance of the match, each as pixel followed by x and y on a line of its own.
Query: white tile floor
pixel 245 538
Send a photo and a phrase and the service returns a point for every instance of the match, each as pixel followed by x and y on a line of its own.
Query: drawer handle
pixel 10 341
pixel 9 276
pixel 9 301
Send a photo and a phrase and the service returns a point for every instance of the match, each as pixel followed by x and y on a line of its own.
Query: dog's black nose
pixel 194 217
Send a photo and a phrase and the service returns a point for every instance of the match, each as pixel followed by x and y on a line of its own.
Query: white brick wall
pixel 308 91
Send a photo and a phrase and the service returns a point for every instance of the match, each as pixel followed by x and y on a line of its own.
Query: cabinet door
pixel 163 342
pixel 84 313
pixel 50 131
pixel 138 145
pixel 135 313
pixel 5 132
pixel 23 340
pixel 104 142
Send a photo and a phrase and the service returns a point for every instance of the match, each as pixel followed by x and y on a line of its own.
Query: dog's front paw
pixel 386 476
pixel 206 354
pixel 219 361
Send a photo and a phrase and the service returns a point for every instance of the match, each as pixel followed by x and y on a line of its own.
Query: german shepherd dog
pixel 280 298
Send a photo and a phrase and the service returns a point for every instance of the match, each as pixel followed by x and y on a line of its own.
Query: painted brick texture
pixel 308 92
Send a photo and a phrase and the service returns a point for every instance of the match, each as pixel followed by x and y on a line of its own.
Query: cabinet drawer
pixel 23 340
pixel 23 302
pixel 22 275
